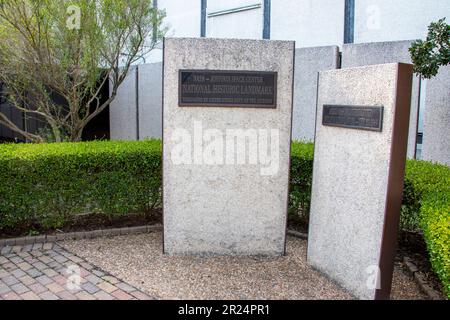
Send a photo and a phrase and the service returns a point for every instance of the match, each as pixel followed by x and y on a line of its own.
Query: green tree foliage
pixel 427 56
pixel 69 49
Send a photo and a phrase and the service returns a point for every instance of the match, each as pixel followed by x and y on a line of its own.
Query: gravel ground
pixel 138 259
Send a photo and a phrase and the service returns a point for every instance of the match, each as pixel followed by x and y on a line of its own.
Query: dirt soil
pixel 412 245
pixel 86 222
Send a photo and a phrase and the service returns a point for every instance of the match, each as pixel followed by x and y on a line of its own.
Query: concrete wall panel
pixel 356 55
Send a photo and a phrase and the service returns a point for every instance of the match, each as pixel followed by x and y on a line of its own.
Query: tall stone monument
pixel 360 152
pixel 227 113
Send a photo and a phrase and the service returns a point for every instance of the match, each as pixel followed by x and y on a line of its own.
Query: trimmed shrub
pixel 428 205
pixel 47 183
pixel 302 158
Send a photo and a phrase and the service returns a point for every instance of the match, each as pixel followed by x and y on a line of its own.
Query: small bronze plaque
pixel 353 117
pixel 218 88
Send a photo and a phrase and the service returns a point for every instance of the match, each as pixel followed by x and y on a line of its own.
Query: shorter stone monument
pixel 359 161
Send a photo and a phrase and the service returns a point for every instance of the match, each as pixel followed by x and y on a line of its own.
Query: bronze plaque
pixel 353 117
pixel 218 88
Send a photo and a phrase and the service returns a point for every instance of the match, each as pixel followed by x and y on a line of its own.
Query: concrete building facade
pixel 310 23
pixel 329 34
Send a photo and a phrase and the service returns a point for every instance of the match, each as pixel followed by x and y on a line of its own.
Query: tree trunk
pixel 76 134
pixel 56 132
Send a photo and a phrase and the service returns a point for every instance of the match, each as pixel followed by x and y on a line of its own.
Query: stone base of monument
pixel 227 113
pixel 360 152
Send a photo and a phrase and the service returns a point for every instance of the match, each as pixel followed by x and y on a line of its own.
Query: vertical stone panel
pixel 436 131
pixel 123 110
pixel 150 101
pixel 358 180
pixel 308 63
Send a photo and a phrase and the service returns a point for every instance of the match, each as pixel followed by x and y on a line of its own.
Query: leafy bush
pixel 47 183
pixel 302 158
pixel 429 200
pixel 429 55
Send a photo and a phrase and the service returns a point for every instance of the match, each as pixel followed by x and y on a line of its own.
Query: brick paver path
pixel 50 272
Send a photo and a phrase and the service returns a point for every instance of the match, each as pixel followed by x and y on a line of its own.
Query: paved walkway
pixel 50 272
pixel 75 270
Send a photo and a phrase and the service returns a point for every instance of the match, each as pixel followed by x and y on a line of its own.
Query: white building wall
pixel 387 20
pixel 182 20
pixel 182 17
pixel 310 23
pixel 245 24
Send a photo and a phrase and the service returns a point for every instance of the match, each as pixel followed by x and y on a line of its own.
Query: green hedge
pixel 302 156
pixel 47 183
pixel 427 200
